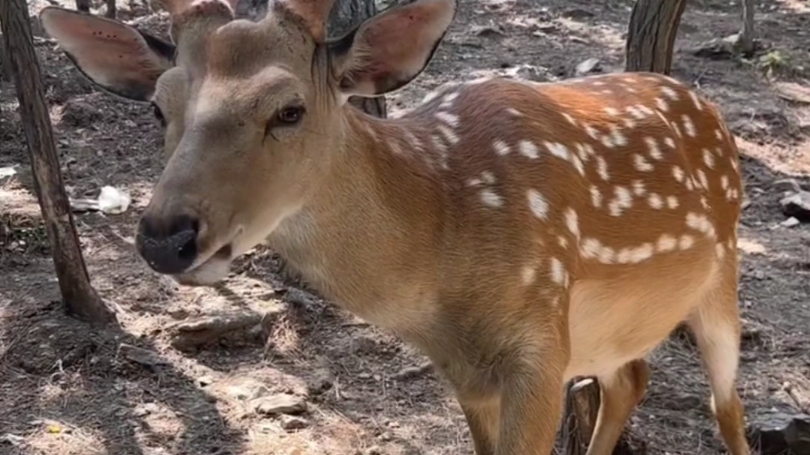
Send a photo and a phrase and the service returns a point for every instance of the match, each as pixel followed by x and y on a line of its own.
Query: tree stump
pixel 79 296
pixel 745 41
pixel 651 35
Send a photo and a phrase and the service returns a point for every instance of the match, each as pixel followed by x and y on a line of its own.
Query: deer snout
pixel 168 244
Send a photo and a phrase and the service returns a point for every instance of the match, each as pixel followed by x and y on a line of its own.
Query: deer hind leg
pixel 621 391
pixel 716 326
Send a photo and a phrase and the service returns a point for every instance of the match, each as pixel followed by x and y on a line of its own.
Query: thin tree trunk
pixel 80 297
pixel 5 65
pixel 651 35
pixel 111 9
pixel 745 42
pixel 345 15
pixel 579 419
pixel 83 5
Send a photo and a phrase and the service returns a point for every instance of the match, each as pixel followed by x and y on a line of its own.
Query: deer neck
pixel 370 237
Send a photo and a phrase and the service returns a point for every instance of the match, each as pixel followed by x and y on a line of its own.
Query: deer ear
pixel 389 50
pixel 115 56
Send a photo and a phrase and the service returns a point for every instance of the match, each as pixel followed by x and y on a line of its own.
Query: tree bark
pixel 5 65
pixel 83 6
pixel 79 296
pixel 111 9
pixel 745 41
pixel 579 419
pixel 345 15
pixel 651 35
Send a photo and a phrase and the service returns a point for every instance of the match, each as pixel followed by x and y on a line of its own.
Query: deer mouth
pixel 210 270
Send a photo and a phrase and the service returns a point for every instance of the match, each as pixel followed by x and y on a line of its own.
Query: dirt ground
pixel 66 389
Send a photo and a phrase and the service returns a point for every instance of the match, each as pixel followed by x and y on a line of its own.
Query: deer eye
pixel 291 115
pixel 158 114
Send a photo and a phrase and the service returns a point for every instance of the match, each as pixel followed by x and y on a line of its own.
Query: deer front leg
pixel 482 419
pixel 532 400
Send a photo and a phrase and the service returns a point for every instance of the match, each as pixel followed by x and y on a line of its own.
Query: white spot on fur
pixel 490 198
pixel 528 274
pixel 601 168
pixel 695 100
pixel 638 188
pixel 501 147
pixel 689 126
pixel 669 142
pixel 655 201
pixel 641 163
pixel 488 177
pixel 448 118
pixel 666 243
pixel 596 196
pixel 662 104
pixel 652 145
pixel 724 182
pixel 623 200
pixel 686 241
pixel 670 93
pixel 570 119
pixel 720 250
pixel 571 221
pixel 672 202
pixel 514 112
pixel 704 182
pixel 449 134
pixel 718 134
pixel 618 138
pixel 557 271
pixel 613 112
pixel 678 173
pixel 557 149
pixel 708 158
pixel 537 204
pixel 592 132
pixel 528 149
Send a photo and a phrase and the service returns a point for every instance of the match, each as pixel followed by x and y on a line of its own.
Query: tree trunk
pixel 579 419
pixel 5 65
pixel 345 15
pixel 745 42
pixel 651 35
pixel 111 9
pixel 80 297
pixel 83 5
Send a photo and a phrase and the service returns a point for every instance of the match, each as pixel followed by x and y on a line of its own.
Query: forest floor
pixel 350 388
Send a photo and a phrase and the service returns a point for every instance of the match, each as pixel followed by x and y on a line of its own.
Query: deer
pixel 518 233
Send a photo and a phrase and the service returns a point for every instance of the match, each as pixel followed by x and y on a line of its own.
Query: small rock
pixel 588 66
pixel 412 372
pixel 529 72
pixel 577 13
pixel 790 222
pixel 797 205
pixel 293 423
pixel 142 356
pixel 487 32
pixel 113 201
pixel 280 404
pixel 12 439
pixel 144 409
pixel 205 380
pixel 783 185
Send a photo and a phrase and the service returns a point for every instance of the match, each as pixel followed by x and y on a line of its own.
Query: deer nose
pixel 169 246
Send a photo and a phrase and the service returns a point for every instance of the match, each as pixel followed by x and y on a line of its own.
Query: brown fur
pixel 422 225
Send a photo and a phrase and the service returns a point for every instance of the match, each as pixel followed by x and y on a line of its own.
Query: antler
pixel 191 23
pixel 314 12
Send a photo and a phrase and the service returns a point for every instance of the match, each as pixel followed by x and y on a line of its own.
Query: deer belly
pixel 614 322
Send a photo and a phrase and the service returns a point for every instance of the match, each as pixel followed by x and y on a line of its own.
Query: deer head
pixel 253 112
